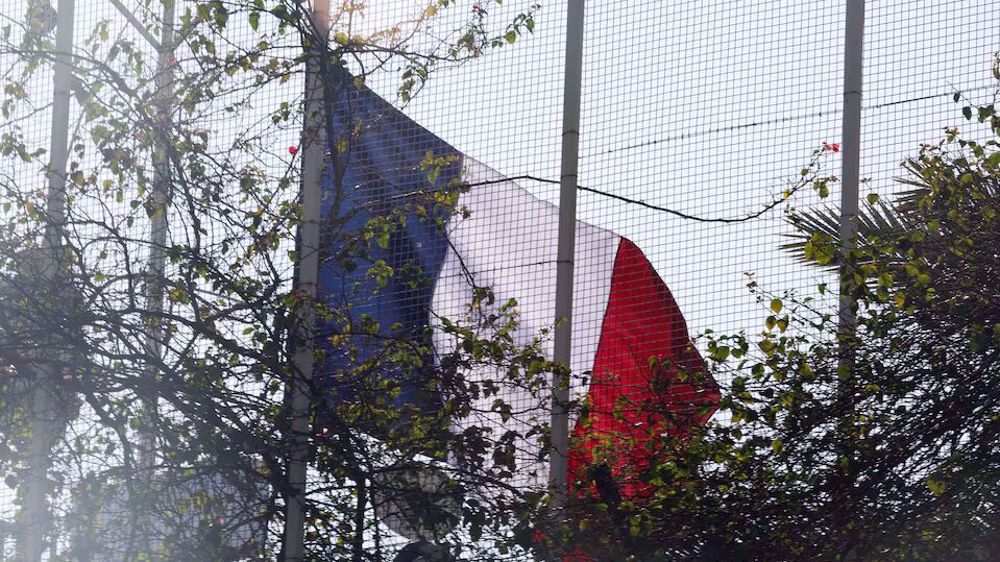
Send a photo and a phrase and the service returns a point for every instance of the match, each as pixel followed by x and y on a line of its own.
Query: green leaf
pixel 719 353
pixel 221 14
pixel 776 305
pixel 936 486
pixel 771 322
pixel 254 20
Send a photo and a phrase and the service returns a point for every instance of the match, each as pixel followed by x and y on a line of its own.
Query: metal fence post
pixel 313 160
pixel 851 145
pixel 562 352
pixel 847 316
pixel 36 521
pixel 164 82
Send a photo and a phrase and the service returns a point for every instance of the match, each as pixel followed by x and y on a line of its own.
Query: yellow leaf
pixel 900 299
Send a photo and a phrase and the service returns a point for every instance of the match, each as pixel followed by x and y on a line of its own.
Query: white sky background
pixel 706 108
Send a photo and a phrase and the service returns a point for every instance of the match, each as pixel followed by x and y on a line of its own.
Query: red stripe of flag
pixel 636 401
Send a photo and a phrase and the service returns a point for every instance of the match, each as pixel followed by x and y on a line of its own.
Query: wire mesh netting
pixel 702 128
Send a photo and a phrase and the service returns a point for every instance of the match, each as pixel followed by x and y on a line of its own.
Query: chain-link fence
pixel 702 128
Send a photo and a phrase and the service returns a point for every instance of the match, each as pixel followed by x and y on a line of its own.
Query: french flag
pixel 636 374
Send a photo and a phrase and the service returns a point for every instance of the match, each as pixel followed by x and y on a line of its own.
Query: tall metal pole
pixel 847 318
pixel 313 159
pixel 562 354
pixel 36 521
pixel 162 105
pixel 851 155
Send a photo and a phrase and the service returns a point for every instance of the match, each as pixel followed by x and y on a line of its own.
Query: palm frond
pixel 876 221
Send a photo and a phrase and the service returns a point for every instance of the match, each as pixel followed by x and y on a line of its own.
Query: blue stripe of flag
pixel 373 177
